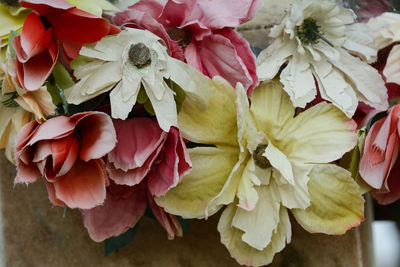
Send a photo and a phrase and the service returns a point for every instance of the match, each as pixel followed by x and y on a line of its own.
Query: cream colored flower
pixel 18 107
pixel 264 161
pixel 313 39
pixel 124 63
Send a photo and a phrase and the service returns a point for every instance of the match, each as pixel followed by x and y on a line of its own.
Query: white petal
pixel 365 79
pixel 298 81
pixel 120 107
pixel 259 224
pixel 335 88
pixel 272 58
pixel 392 67
pixel 280 162
pixel 165 108
pixel 296 196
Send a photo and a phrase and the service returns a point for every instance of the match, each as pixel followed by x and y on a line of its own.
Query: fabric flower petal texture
pixel 131 61
pixel 379 165
pixel 67 152
pixel 53 24
pixel 263 162
pixel 313 39
pixel 145 163
pixel 200 32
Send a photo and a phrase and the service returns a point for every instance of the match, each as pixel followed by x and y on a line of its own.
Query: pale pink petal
pixel 84 186
pixel 52 195
pixel 133 176
pixel 381 150
pixel 168 221
pixel 54 128
pixel 64 154
pixel 174 163
pixel 385 197
pixel 137 139
pixel 244 52
pixel 175 12
pixel 26 173
pixel 96 132
pixel 23 136
pixel 150 7
pixel 193 58
pixel 219 57
pixel 135 18
pixel 120 212
pixel 223 13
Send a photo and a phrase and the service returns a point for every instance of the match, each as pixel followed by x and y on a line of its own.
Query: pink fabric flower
pixel 380 165
pixel 67 152
pixel 52 23
pixel 200 32
pixel 146 162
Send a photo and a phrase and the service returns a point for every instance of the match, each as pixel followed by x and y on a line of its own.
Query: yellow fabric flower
pixel 264 161
pixel 11 19
pixel 94 7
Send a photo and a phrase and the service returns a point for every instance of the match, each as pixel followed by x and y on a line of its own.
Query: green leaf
pixel 149 108
pixel 55 95
pixel 116 243
pixel 185 225
pixel 179 96
pixel 61 77
pixel 10 44
pixel 142 96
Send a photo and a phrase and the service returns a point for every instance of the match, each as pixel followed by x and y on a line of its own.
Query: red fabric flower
pixel 54 23
pixel 200 32
pixel 146 162
pixel 67 152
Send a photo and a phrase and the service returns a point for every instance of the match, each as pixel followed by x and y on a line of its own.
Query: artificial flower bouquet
pixel 163 108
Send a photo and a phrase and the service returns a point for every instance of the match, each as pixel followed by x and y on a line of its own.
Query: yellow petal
pixel 259 224
pixel 296 195
pixel 5 119
pixel 211 169
pixel 231 237
pixel 94 7
pixel 320 134
pixel 9 22
pixel 336 204
pixel 246 192
pixel 271 108
pixel 280 162
pixel 217 124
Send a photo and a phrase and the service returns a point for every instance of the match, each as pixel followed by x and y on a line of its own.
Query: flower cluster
pixel 163 109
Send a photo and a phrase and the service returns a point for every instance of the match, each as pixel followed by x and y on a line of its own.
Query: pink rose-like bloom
pixel 380 165
pixel 200 32
pixel 146 162
pixel 67 152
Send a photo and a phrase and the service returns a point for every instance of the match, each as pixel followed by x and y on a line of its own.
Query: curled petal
pixel 84 186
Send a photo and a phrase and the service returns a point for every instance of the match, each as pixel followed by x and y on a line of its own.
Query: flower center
pixel 182 36
pixel 139 55
pixel 258 157
pixel 309 32
pixel 10 3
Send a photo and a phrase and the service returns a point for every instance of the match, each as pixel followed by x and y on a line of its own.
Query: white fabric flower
pixel 128 61
pixel 313 39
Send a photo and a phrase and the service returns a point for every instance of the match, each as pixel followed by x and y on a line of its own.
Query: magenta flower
pixel 146 162
pixel 200 32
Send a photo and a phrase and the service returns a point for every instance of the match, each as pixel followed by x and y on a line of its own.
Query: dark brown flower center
pixel 180 35
pixel 10 3
pixel 258 157
pixel 139 55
